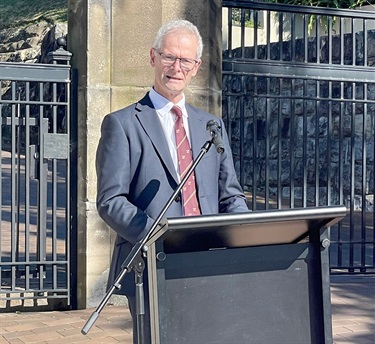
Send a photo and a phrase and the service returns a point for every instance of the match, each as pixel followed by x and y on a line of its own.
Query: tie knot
pixel 177 111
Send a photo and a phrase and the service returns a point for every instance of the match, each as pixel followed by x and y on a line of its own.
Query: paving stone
pixel 352 305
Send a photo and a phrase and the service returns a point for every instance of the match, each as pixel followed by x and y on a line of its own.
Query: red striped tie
pixel 185 160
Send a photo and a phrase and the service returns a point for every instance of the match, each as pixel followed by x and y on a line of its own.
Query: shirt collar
pixel 163 105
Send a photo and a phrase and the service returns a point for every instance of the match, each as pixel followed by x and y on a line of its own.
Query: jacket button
pixel 178 198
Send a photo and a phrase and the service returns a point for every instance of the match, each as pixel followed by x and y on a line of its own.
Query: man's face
pixel 171 81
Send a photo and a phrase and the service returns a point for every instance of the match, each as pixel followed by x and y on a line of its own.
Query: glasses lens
pixel 187 63
pixel 169 60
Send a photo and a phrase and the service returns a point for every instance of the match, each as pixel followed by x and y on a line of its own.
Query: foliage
pixel 327 3
pixel 17 13
pixel 242 16
pixel 339 4
pixel 245 15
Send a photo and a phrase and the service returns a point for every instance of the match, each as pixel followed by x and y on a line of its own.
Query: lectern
pixel 258 277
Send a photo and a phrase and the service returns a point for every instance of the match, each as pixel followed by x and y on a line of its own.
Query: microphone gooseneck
pixel 215 132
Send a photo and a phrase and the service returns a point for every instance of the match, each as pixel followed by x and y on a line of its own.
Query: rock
pixel 30 44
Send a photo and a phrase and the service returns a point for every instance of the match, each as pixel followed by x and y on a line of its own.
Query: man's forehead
pixel 179 35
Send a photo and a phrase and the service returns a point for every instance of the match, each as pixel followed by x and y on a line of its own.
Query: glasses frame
pixel 177 58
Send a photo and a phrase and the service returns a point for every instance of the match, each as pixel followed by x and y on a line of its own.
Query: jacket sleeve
pixel 113 183
pixel 231 196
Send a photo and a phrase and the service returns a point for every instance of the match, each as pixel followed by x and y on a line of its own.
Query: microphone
pixel 215 133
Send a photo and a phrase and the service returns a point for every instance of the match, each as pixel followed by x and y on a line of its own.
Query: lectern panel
pixel 247 295
pixel 257 277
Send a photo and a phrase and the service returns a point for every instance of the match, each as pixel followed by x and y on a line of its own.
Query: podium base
pixel 270 294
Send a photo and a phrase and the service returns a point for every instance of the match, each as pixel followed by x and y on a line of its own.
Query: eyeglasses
pixel 185 63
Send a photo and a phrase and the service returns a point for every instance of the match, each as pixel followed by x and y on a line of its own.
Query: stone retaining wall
pixel 320 128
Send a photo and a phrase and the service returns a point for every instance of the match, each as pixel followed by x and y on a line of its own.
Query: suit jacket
pixel 136 176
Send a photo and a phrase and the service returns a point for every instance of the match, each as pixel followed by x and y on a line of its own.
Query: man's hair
pixel 178 25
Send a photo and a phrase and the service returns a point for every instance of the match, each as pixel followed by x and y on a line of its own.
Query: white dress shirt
pixel 167 119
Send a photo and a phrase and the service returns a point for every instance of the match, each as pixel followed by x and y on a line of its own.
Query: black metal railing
pixel 299 107
pixel 35 182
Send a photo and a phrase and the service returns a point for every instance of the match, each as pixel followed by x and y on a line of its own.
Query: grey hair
pixel 178 25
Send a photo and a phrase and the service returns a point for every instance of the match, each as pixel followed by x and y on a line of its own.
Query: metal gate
pixel 35 230
pixel 299 106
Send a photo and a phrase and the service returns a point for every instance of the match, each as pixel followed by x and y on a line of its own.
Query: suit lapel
pixel 198 136
pixel 147 116
pixel 197 127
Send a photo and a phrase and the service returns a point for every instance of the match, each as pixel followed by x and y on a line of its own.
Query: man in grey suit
pixel 137 161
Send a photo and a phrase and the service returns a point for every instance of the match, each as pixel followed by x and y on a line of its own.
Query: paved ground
pixel 353 309
pixel 353 320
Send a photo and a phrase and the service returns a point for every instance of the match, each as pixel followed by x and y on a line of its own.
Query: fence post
pixel 60 55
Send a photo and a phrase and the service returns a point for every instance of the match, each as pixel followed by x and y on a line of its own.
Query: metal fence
pixel 35 227
pixel 299 106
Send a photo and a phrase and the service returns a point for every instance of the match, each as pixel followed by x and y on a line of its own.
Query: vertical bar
pixel 292 144
pixel 27 187
pixel 364 179
pixel 329 36
pixel 54 192
pixel 305 39
pixel 1 183
pixel 304 147
pixel 352 181
pixel 280 145
pixel 329 141
pixel 342 42
pixel 256 35
pixel 68 188
pixel 281 26
pixel 268 41
pixel 293 36
pixel 242 131
pixel 318 38
pixel 267 147
pixel 341 172
pixel 317 155
pixel 365 42
pixel 241 101
pixel 255 145
pixel 242 27
pixel 14 208
pixel 19 176
pixel 353 50
pixel 42 201
pixel 373 192
pixel 72 179
pixel 230 31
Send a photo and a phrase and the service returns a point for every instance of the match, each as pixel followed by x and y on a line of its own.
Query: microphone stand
pixel 134 259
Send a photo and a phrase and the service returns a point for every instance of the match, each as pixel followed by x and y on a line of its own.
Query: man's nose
pixel 178 65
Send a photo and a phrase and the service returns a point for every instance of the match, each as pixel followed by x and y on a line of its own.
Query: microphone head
pixel 215 132
pixel 211 123
pixel 220 148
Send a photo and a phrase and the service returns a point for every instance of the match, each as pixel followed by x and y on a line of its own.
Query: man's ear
pixel 196 67
pixel 152 57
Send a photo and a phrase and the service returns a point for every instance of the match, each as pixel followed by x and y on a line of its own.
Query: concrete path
pixel 353 320
pixel 353 309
